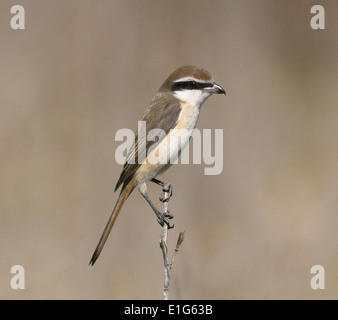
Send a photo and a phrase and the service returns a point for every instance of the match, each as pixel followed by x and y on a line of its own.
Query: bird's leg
pixel 161 217
pixel 167 192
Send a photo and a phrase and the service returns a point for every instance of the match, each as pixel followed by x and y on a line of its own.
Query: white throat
pixel 192 97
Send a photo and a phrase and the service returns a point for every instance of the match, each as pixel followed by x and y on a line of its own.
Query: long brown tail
pixel 118 206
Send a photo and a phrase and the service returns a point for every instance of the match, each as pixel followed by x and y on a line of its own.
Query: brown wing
pixel 163 114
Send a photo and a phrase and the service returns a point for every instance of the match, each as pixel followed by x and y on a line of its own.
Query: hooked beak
pixel 216 89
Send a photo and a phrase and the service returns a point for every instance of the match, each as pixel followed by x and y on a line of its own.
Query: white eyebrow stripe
pixel 192 79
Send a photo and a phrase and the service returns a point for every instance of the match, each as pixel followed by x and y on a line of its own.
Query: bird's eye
pixel 189 85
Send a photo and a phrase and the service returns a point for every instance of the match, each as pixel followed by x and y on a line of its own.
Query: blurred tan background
pixel 83 70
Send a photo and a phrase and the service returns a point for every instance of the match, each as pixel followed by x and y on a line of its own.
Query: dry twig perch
pixel 167 193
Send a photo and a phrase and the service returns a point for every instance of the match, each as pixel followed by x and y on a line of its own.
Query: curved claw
pixel 168 215
pixel 163 220
pixel 171 226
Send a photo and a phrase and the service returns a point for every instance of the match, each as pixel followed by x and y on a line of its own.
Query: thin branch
pixel 164 248
pixel 163 245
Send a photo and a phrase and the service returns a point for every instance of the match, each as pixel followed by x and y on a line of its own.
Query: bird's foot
pixel 162 218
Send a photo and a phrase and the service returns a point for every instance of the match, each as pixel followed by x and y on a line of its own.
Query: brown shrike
pixel 174 111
